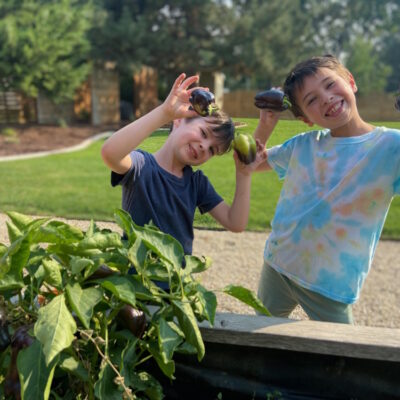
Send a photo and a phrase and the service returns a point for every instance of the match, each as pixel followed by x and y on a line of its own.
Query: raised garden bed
pixel 252 357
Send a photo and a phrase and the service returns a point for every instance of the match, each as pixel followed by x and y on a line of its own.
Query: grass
pixel 77 185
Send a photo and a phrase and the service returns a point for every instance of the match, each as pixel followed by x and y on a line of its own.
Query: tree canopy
pixel 48 45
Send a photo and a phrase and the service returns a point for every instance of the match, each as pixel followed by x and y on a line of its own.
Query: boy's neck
pixel 354 128
pixel 167 162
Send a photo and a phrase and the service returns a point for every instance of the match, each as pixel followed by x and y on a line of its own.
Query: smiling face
pixel 328 99
pixel 195 142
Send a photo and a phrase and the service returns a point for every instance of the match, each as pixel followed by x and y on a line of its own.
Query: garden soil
pixel 237 257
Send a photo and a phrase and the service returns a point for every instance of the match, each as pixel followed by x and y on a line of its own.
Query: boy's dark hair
pixel 302 70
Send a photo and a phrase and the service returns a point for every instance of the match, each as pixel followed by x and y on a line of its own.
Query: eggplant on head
pixel 203 102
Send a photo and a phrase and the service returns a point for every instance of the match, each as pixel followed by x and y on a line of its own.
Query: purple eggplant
pixel 272 99
pixel 132 319
pixel 203 102
pixel 5 338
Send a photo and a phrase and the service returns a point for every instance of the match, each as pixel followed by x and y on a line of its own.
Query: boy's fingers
pixel 179 80
pixel 189 81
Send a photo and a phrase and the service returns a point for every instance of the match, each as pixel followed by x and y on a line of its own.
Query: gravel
pixel 237 259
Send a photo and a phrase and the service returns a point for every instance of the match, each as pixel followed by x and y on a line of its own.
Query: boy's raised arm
pixel 266 124
pixel 115 151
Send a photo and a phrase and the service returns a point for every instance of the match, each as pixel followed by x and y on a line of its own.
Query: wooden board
pixel 373 343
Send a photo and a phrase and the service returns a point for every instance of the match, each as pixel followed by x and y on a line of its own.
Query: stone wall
pixel 49 113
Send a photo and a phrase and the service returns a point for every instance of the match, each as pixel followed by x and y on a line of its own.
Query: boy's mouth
pixel 192 151
pixel 335 109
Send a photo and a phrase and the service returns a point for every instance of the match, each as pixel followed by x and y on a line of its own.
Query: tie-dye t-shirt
pixel 332 207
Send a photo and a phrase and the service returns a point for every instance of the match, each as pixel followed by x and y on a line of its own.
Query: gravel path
pixel 237 259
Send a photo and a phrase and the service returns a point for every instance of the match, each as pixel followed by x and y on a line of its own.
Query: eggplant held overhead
pixel 203 102
pixel 272 99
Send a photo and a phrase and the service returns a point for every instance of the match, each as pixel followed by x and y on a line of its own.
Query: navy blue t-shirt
pixel 150 193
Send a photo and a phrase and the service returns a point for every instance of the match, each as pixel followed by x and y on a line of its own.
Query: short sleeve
pixel 278 157
pixel 207 197
pixel 138 160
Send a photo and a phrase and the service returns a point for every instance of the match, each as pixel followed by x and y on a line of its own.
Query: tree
pixel 43 46
pixel 367 67
pixel 267 39
pixel 170 37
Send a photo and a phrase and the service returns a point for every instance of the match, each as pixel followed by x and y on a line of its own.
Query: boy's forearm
pixel 128 138
pixel 263 132
pixel 239 211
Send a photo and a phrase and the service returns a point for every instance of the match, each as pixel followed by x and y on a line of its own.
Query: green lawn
pixel 77 185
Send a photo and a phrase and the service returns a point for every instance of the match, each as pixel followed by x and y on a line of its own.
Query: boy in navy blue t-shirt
pixel 162 187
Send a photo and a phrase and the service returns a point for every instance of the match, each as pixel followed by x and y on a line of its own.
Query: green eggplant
pixel 246 147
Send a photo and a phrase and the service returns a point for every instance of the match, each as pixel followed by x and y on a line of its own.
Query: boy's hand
pixel 247 169
pixel 177 104
pixel 269 118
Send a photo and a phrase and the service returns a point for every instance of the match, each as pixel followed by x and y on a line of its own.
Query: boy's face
pixel 195 142
pixel 327 99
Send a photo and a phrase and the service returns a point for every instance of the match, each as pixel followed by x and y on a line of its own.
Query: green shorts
pixel 281 295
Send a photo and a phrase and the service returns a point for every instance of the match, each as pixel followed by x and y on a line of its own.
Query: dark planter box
pixel 251 357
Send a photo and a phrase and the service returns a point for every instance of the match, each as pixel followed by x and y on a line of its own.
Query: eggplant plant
pixel 82 325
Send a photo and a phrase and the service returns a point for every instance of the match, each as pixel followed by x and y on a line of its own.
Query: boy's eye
pixel 203 133
pixel 311 101
pixel 330 84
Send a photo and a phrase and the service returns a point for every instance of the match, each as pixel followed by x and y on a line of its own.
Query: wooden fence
pixel 379 107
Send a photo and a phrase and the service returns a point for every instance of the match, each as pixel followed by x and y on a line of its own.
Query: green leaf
pixel 246 296
pixel 35 376
pixel 55 327
pixel 194 265
pixel 100 241
pixel 105 388
pixel 83 301
pixel 52 272
pixel 73 366
pixel 124 221
pixel 163 245
pixel 169 338
pixel 21 221
pixel 78 264
pixel 144 382
pixel 188 324
pixel 205 303
pixel 13 232
pixel 58 232
pixel 168 368
pixel 137 254
pixel 12 280
pixel 121 287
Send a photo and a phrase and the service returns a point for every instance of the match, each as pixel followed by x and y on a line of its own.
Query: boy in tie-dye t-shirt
pixel 338 185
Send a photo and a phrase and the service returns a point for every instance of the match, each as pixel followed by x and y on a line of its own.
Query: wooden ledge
pixel 304 336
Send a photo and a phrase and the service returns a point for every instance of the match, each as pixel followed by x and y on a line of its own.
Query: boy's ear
pixel 352 82
pixel 305 120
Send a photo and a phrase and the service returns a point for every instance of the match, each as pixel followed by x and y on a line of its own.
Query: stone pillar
pixel 105 94
pixel 215 82
pixel 145 91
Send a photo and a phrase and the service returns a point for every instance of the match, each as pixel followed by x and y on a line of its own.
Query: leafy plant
pixel 63 290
